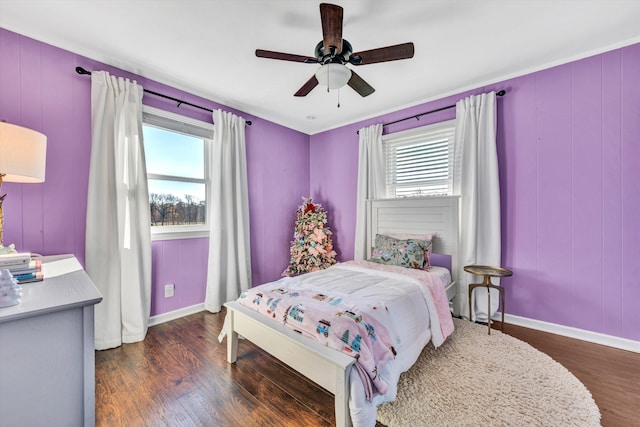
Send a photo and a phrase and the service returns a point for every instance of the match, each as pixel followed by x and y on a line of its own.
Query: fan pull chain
pixel 329 88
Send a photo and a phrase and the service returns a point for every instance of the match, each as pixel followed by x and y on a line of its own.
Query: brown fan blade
pixel 383 54
pixel 284 56
pixel 359 85
pixel 331 16
pixel 307 87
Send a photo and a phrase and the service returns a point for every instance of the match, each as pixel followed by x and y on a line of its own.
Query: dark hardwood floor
pixel 611 375
pixel 178 376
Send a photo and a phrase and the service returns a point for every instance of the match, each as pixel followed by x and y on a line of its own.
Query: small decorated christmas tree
pixel 311 247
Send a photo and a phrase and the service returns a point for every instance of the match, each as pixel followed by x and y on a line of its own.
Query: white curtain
pixel 371 183
pixel 118 235
pixel 476 180
pixel 228 213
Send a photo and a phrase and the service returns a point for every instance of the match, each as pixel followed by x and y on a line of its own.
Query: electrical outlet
pixel 168 290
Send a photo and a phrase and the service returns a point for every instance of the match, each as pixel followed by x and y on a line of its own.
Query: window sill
pixel 178 235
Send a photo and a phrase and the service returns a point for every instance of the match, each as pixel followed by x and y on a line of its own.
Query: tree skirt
pixel 476 379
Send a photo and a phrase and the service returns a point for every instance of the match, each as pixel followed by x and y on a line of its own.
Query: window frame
pixel 426 132
pixel 187 231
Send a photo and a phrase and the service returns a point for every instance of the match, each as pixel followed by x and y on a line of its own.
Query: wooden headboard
pixel 437 215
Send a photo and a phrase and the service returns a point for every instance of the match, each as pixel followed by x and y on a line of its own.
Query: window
pixel 176 151
pixel 419 162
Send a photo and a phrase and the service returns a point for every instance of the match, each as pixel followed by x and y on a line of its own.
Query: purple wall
pixel 568 147
pixel 39 89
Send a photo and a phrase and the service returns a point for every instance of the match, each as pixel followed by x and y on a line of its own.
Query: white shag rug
pixel 476 379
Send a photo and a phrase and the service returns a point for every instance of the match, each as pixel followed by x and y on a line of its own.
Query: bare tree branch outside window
pixel 167 209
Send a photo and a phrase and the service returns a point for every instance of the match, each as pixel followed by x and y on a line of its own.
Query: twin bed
pixel 409 307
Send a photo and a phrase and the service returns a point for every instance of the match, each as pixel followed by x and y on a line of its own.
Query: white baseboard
pixel 568 331
pixel 176 314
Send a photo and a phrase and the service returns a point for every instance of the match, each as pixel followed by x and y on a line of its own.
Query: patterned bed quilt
pixel 372 312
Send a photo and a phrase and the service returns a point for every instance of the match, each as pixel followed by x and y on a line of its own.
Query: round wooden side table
pixel 488 272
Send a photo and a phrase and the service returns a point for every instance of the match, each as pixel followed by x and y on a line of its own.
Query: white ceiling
pixel 206 47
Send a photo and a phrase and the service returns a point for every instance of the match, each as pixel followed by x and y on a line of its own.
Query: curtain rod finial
pixel 81 70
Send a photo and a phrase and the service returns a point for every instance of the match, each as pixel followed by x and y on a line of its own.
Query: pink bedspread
pixel 370 311
pixel 335 319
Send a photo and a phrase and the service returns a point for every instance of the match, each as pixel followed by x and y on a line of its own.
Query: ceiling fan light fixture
pixel 333 53
pixel 333 76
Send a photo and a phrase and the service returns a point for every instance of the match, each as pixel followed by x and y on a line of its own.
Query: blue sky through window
pixel 174 154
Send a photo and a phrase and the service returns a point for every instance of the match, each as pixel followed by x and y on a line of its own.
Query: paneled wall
pixel 39 89
pixel 183 263
pixel 571 200
pixel 568 147
pixel 570 188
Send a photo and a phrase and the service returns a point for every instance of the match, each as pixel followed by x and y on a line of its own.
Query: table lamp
pixel 22 157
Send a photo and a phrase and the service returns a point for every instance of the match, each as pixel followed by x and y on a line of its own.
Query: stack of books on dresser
pixel 23 267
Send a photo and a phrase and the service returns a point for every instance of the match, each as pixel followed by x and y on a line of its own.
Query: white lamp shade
pixel 334 76
pixel 22 154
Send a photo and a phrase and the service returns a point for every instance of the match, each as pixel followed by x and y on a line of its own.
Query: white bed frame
pixel 323 365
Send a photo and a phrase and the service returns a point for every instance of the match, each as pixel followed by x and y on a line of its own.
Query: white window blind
pixel 419 162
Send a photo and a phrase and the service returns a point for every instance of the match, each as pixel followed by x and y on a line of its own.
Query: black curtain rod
pixel 417 116
pixel 81 70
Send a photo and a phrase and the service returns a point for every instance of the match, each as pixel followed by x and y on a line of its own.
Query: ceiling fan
pixel 334 52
